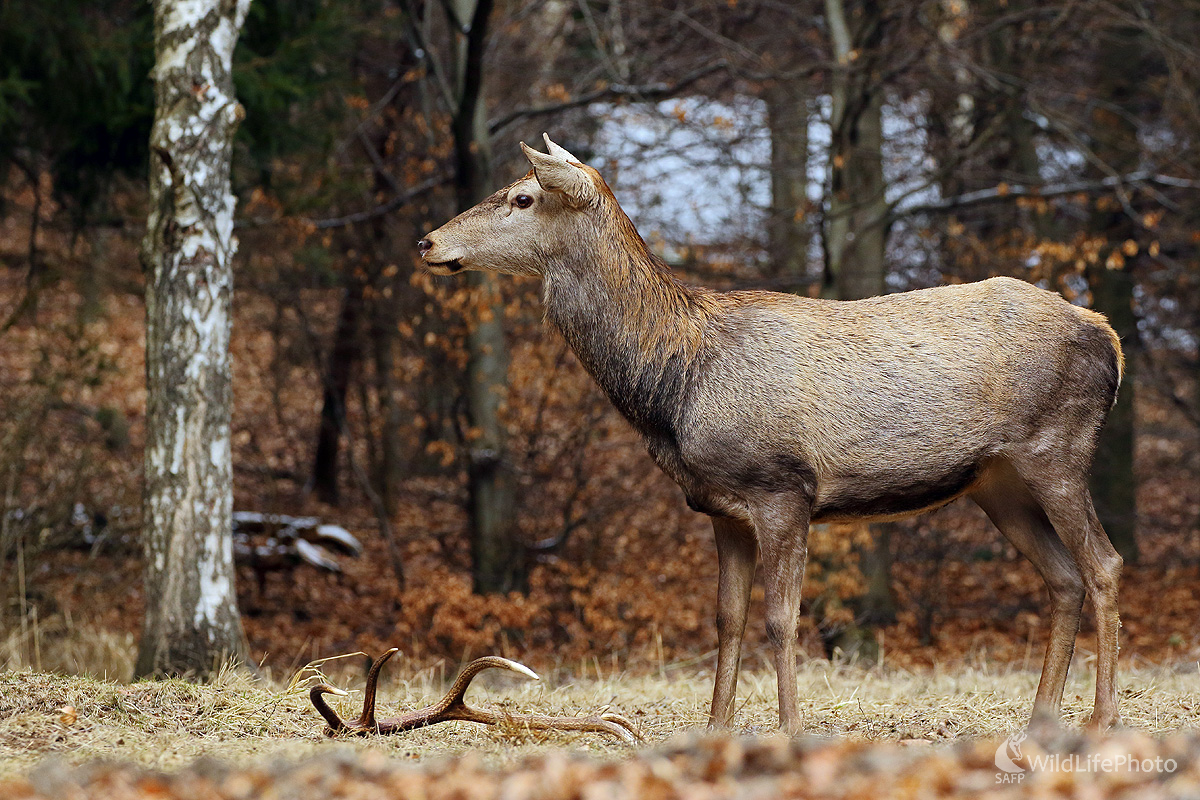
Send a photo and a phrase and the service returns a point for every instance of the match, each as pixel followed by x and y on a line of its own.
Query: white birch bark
pixel 192 622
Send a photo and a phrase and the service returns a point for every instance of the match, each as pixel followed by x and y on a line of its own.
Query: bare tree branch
pixel 717 38
pixel 598 40
pixel 647 91
pixel 396 202
pixel 1009 191
pixel 377 160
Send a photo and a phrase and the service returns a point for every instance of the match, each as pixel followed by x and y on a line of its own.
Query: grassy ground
pixel 166 725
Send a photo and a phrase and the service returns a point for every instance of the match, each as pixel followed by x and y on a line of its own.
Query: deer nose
pixel 424 246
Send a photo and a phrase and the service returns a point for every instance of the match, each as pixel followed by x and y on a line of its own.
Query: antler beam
pixel 454 707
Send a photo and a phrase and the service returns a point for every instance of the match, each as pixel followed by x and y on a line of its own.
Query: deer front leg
pixel 782 528
pixel 737 551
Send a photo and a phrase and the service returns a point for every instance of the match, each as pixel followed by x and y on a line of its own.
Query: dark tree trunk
pixel 854 236
pixel 1114 135
pixel 788 231
pixel 338 369
pixel 498 556
pixel 1114 482
pixel 383 310
pixel 192 624
pixel 390 469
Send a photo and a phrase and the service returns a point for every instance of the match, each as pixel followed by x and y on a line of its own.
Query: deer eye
pixel 522 201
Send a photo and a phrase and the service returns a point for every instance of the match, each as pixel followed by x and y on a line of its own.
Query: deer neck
pixel 636 329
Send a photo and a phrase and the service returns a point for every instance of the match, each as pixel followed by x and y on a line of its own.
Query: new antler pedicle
pixel 454 707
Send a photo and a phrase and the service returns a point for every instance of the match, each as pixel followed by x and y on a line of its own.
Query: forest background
pixel 841 149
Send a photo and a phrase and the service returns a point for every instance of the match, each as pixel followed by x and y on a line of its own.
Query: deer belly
pixel 890 495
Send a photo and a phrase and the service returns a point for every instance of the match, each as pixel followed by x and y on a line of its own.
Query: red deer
pixel 773 411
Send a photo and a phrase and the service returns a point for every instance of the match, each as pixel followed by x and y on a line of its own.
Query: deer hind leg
pixel 1067 503
pixel 737 551
pixel 1103 576
pixel 781 525
pixel 1007 501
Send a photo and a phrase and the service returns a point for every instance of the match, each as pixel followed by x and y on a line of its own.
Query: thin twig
pixel 399 201
pixel 647 91
pixel 1011 191
pixel 380 167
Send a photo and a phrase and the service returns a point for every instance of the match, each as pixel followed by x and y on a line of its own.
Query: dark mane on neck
pixel 635 327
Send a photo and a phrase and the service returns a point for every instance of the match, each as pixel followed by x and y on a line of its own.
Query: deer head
pixel 525 226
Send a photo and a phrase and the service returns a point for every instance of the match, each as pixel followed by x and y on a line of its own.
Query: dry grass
pixel 59 645
pixel 166 725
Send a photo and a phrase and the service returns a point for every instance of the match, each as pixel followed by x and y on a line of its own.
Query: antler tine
pixel 336 724
pixel 454 707
pixel 612 724
pixel 367 718
pixel 459 688
pixel 620 721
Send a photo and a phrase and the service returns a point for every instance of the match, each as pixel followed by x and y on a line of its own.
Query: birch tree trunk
pixel 192 623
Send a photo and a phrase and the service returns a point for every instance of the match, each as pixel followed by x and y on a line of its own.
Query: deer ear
pixel 560 175
pixel 557 151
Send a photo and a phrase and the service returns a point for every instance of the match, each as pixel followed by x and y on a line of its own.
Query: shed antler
pixel 454 707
